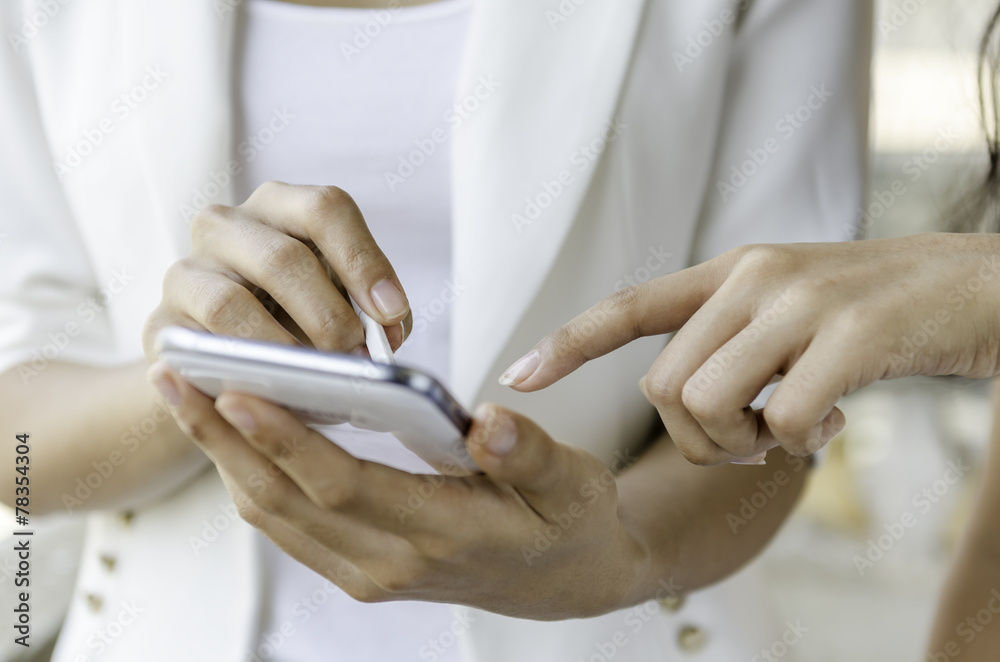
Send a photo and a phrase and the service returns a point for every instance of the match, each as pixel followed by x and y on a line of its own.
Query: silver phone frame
pixel 320 363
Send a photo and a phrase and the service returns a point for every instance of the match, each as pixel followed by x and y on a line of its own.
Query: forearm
pixel 965 627
pixel 694 520
pixel 961 631
pixel 100 438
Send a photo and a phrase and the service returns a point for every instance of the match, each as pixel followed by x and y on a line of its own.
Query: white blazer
pixel 691 100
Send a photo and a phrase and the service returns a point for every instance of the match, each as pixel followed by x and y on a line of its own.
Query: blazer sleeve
pixel 50 306
pixel 792 159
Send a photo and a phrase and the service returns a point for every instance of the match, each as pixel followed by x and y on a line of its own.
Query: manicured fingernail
pixel 388 299
pixel 522 369
pixel 166 387
pixel 755 461
pixel 502 441
pixel 239 417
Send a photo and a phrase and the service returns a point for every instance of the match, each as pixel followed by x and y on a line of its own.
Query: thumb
pixel 512 449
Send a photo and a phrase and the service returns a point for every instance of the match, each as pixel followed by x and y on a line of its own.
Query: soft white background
pixel 900 435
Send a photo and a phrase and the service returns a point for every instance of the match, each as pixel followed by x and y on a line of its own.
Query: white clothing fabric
pixel 345 116
pixel 641 106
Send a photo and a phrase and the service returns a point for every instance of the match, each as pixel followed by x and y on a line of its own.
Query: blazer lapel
pixel 195 126
pixel 538 93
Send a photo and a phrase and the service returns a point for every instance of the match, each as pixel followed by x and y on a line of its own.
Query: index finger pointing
pixel 654 308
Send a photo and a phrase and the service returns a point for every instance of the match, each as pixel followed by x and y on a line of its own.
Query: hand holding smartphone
pixel 328 388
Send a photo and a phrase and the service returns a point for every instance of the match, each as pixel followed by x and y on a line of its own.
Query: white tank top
pixel 360 99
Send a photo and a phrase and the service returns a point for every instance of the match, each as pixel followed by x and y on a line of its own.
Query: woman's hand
pixel 276 268
pixel 538 536
pixel 824 318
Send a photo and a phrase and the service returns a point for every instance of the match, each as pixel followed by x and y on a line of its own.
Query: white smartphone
pixel 329 388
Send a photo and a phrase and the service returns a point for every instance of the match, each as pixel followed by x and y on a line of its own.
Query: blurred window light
pixel 920 95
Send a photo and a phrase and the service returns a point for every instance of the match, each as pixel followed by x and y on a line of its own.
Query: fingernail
pixel 522 369
pixel 239 417
pixel 166 387
pixel 642 386
pixel 388 299
pixel 755 461
pixel 501 442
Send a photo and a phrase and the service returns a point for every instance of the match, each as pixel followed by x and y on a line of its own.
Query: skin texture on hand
pixel 469 540
pixel 277 268
pixel 542 534
pixel 547 532
pixel 825 319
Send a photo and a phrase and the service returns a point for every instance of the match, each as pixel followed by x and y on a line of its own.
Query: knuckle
pixel 177 273
pixel 322 201
pixel 359 257
pixel 568 339
pixel 365 592
pixel 628 304
pixel 270 445
pixel 700 401
pixel 194 430
pixel 340 493
pixel 801 379
pixel 401 577
pixel 626 299
pixel 249 512
pixel 853 322
pixel 223 305
pixel 265 190
pixel 786 421
pixel 271 499
pixel 702 455
pixel 285 258
pixel 762 259
pixel 206 219
pixel 664 387
pixel 438 548
pixel 335 328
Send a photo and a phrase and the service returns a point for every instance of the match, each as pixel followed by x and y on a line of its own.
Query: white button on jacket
pixel 681 134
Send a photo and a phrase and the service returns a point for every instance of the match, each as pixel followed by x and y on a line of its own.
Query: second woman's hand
pixel 826 319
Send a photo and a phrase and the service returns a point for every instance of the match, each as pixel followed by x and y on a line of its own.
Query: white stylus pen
pixel 375 340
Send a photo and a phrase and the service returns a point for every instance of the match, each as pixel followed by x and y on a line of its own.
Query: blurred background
pixel 900 435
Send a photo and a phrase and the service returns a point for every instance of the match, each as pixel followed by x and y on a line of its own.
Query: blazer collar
pixel 537 85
